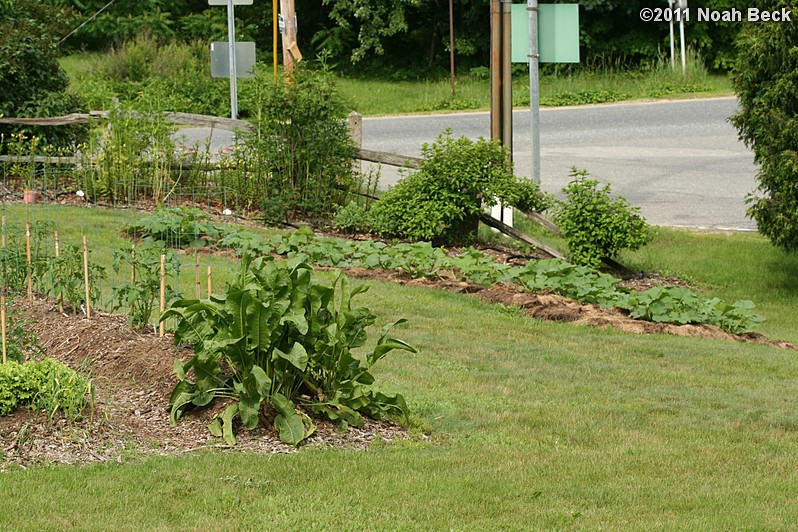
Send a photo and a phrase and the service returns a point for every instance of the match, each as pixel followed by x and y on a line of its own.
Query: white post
pixel 231 50
pixel 534 88
pixel 682 5
pixel 670 22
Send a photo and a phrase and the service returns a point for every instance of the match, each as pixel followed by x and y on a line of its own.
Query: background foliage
pixel 31 81
pixel 402 39
pixel 766 81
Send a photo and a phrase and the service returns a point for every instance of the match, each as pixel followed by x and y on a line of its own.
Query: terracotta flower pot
pixel 30 196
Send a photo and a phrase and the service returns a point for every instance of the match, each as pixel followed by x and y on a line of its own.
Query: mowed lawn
pixel 531 426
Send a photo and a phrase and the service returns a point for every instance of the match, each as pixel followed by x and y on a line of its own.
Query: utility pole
pixel 291 53
pixel 501 86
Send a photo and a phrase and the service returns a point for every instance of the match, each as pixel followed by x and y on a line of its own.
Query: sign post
pixel 543 33
pixel 231 49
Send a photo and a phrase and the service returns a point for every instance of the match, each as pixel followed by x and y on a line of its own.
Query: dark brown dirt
pixel 132 374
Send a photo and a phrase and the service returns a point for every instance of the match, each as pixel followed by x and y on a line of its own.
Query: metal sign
pixel 224 2
pixel 558 33
pixel 220 59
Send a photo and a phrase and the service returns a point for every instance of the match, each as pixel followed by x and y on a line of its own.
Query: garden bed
pixel 132 373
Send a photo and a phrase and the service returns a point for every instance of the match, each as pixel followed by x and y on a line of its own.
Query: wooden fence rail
pixel 183 119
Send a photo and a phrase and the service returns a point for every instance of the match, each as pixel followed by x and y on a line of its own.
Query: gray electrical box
pixel 220 59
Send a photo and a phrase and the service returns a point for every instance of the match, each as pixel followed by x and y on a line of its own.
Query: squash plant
pixel 279 337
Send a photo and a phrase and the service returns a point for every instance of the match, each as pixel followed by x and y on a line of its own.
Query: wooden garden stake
pixel 209 281
pixel 3 322
pixel 163 293
pixel 58 254
pixel 3 243
pixel 132 270
pixel 3 296
pixel 197 272
pixel 86 276
pixel 30 269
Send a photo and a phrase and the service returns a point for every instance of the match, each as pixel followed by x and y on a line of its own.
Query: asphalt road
pixel 680 161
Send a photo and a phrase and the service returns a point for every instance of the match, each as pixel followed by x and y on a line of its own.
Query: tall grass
pixel 128 73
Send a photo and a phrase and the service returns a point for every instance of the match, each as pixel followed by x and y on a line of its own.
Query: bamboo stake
pixel 3 322
pixel 86 276
pixel 209 281
pixel 197 272
pixel 163 293
pixel 58 254
pixel 4 256
pixel 132 270
pixel 30 269
pixel 3 297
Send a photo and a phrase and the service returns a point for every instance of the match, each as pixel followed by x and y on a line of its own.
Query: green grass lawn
pixel 533 425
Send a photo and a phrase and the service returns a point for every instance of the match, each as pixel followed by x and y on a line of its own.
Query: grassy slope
pixel 535 425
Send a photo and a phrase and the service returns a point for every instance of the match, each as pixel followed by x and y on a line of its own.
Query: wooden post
pixel 4 256
pixel 132 270
pixel 30 268
pixel 163 293
pixel 86 276
pixel 58 254
pixel 197 275
pixel 209 281
pixel 291 53
pixel 3 322
pixel 355 122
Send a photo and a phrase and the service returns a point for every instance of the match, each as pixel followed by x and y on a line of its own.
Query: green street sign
pixel 558 33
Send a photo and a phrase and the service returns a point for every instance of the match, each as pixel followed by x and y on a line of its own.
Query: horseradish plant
pixel 278 337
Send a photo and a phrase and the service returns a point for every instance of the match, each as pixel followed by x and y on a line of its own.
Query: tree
pixel 765 79
pixel 31 80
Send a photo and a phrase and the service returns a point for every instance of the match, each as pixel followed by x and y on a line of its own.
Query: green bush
pixel 31 81
pixel 300 159
pixel 442 201
pixel 47 385
pixel 152 75
pixel 596 225
pixel 279 337
pixel 766 84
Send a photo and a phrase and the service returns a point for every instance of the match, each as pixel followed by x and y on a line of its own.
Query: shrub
pixel 279 337
pixel 31 81
pixel 301 156
pixel 596 225
pixel 442 201
pixel 765 81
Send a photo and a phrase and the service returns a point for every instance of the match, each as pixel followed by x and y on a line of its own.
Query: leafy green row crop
pixel 672 304
pixel 585 284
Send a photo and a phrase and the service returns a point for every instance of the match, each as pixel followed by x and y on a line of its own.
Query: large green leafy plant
pixel 279 337
pixel 595 224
